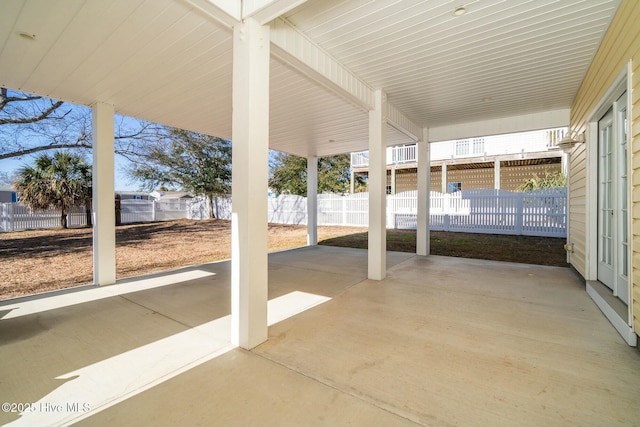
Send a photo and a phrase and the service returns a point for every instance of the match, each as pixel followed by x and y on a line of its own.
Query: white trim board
pixel 616 320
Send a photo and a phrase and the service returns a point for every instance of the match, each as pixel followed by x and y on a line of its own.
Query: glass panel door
pixel 605 200
pixel 613 203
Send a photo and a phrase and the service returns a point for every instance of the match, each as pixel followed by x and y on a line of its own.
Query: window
pixel 478 146
pixel 462 147
pixel 452 187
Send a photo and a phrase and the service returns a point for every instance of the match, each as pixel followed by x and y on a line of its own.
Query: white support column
pixel 444 178
pixel 103 203
pixel 312 201
pixel 249 192
pixel 564 164
pixel 377 253
pixel 393 179
pixel 423 246
pixel 496 174
pixel 352 182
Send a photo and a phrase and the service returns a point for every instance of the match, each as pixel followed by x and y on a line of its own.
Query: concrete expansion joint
pixel 361 397
pixel 157 312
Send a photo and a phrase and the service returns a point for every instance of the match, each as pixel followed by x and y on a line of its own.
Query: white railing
pixel 360 159
pixel 395 155
pixel 538 213
pixel 402 154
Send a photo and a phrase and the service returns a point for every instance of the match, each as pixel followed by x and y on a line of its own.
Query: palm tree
pixel 60 182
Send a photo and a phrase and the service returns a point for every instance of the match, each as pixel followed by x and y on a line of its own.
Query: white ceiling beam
pixel 226 12
pixel 402 123
pixel 527 122
pixel 298 51
pixel 265 11
pixel 295 49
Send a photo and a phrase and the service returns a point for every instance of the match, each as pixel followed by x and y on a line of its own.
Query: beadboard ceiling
pixel 170 61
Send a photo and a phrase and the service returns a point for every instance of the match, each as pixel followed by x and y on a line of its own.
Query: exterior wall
pixel 7 196
pixel 620 47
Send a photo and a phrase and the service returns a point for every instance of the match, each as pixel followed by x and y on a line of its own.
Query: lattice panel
pixel 472 179
pixel 512 177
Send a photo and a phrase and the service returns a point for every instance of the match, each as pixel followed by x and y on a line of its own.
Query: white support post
pixel 249 263
pixel 352 182
pixel 393 179
pixel 423 246
pixel 444 178
pixel 312 201
pixel 377 253
pixel 103 203
pixel 564 164
pixel 496 174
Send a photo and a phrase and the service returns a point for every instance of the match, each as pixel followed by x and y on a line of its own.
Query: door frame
pixel 619 86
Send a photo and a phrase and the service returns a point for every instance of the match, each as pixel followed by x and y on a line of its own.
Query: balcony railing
pixel 395 155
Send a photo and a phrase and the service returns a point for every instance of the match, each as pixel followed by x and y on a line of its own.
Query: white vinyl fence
pixel 16 217
pixel 154 210
pixel 536 213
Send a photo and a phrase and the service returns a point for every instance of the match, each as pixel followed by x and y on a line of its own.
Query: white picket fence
pixel 16 217
pixel 537 213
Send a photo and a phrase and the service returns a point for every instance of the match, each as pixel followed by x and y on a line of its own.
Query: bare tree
pixel 30 124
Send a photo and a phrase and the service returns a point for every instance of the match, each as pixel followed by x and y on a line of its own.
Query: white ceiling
pixel 170 62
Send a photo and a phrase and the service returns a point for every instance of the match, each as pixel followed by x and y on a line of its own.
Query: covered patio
pixel 311 78
pixel 439 341
pixel 326 335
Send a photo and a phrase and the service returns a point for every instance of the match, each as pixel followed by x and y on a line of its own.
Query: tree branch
pixel 25 151
pixel 5 99
pixel 43 115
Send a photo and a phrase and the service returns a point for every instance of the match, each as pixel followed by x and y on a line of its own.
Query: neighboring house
pixel 501 162
pixel 133 195
pixel 8 195
pixel 173 195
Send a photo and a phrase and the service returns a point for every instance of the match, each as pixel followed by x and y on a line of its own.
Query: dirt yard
pixel 43 260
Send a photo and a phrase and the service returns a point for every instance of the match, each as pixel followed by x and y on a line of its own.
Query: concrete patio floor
pixel 440 342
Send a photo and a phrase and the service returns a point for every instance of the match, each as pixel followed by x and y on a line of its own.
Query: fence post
pixel 344 210
pixel 153 210
pixel 519 212
pixel 10 216
pixel 446 222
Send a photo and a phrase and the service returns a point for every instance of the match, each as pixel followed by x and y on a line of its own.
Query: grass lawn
pixel 497 247
pixel 43 260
